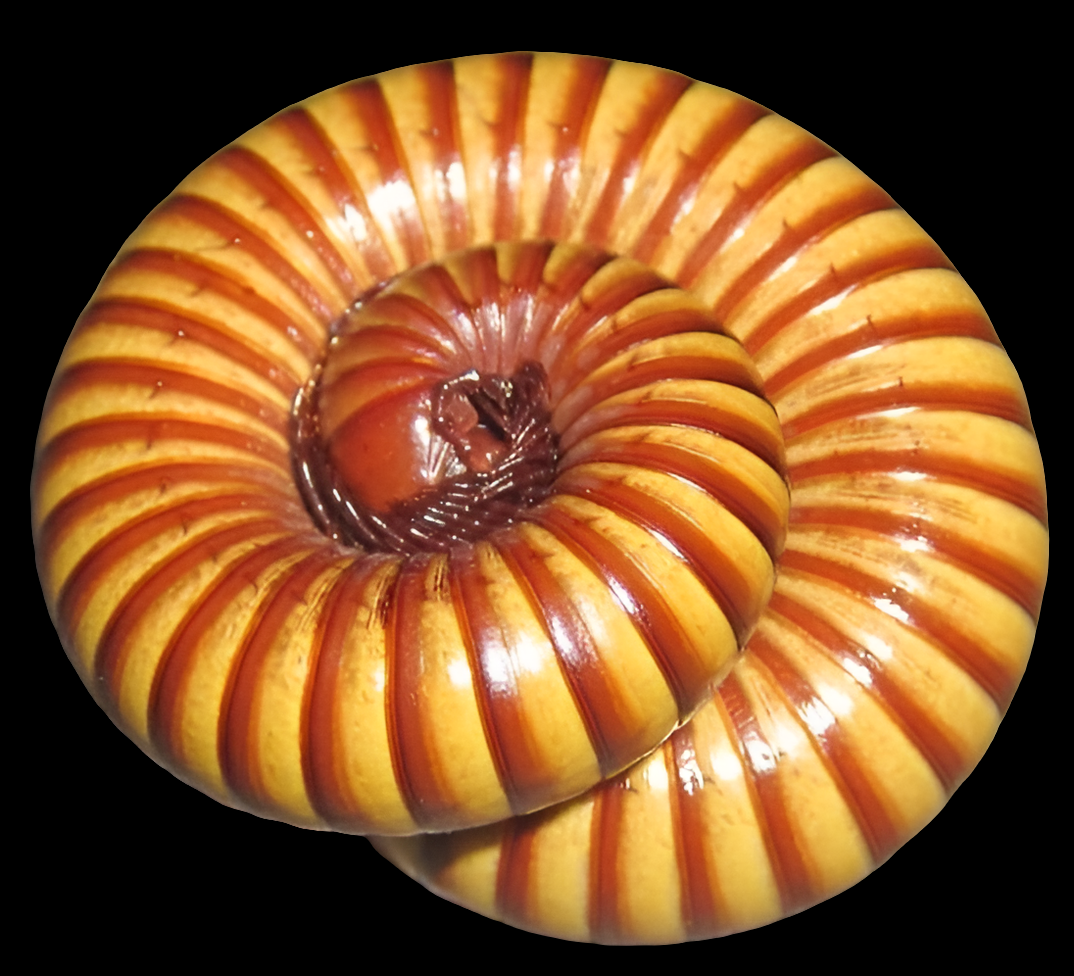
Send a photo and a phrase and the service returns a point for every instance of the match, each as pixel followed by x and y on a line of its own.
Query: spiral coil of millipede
pixel 905 593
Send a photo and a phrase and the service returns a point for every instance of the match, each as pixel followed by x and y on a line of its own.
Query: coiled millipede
pixel 913 550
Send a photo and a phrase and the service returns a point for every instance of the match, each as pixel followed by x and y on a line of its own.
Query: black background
pixel 111 841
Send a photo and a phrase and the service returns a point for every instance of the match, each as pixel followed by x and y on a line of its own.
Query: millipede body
pixel 578 477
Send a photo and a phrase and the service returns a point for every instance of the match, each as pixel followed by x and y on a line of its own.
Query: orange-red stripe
pixel 854 785
pixel 205 276
pixel 917 723
pixel 596 698
pixel 146 313
pixel 339 182
pixel 239 716
pixel 522 773
pixel 633 147
pixel 571 130
pixel 759 760
pixel 367 98
pixel 286 200
pixel 991 675
pixel 241 234
pixel 640 598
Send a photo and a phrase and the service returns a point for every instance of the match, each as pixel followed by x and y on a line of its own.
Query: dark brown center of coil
pixel 445 465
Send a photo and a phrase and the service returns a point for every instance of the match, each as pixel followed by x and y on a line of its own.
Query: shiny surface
pixel 445 678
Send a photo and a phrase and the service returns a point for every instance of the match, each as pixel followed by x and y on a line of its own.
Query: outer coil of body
pixel 927 408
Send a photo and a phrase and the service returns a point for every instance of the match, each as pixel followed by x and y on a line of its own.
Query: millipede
pixel 860 577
